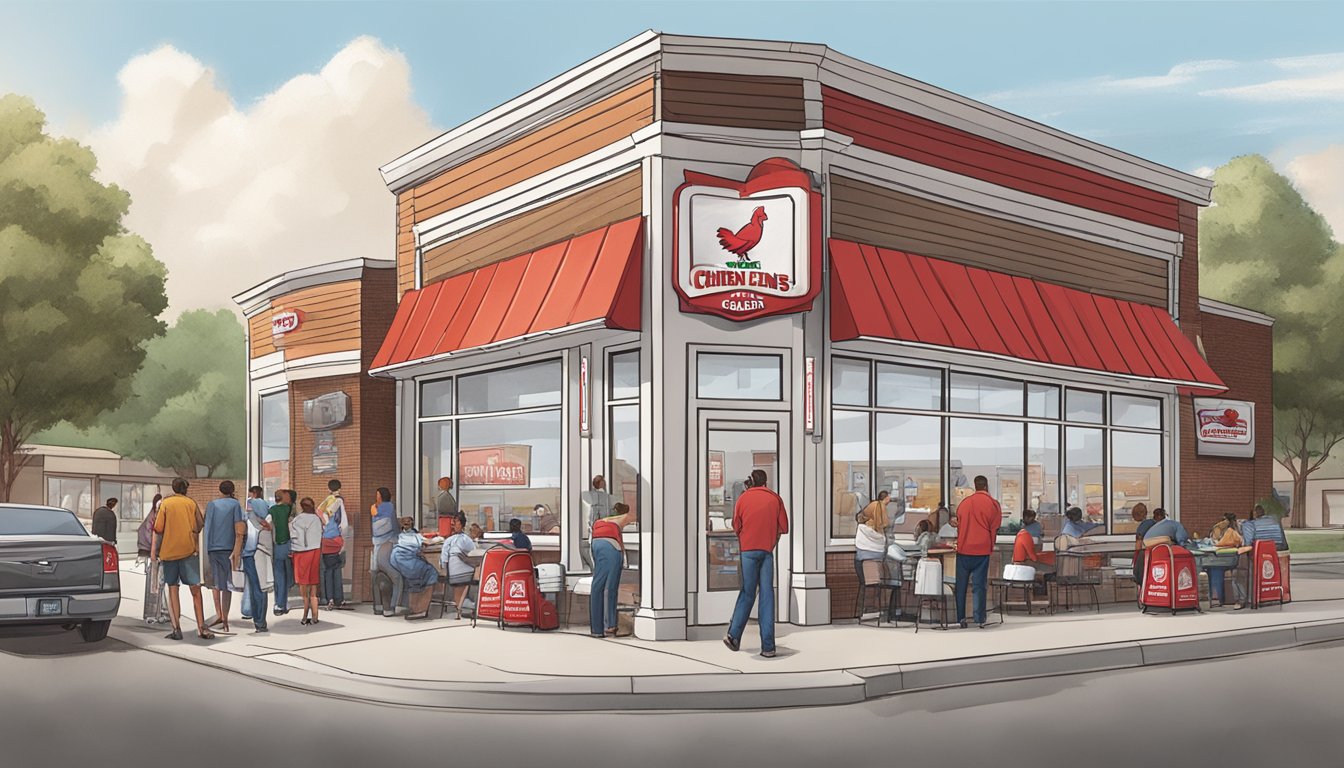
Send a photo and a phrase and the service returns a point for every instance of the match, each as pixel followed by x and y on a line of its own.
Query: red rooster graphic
pixel 746 238
pixel 1229 418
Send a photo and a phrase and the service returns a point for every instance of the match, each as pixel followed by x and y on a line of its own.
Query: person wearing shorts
pixel 225 531
pixel 177 526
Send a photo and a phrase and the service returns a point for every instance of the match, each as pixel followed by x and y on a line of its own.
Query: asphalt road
pixel 64 703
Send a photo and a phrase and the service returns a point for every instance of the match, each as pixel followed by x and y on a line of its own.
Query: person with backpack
pixel 334 527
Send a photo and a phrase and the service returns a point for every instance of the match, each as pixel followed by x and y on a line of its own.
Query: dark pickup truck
pixel 53 571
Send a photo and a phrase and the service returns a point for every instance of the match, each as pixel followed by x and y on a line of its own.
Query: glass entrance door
pixel 730 451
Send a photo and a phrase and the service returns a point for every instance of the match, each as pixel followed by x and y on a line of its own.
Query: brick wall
pixel 1241 353
pixel 843 583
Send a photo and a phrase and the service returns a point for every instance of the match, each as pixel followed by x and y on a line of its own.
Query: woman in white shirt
pixel 305 538
pixel 870 541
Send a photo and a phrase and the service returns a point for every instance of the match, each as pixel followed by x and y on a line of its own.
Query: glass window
pixel 1043 401
pixel 1084 481
pixel 1085 406
pixel 436 398
pixel 1132 411
pixel 24 521
pixel 1043 477
pixel 731 456
pixel 993 449
pixel 739 377
pixel 850 473
pixel 274 434
pixel 623 478
pixel 985 394
pixel 508 389
pixel 72 493
pixel 849 382
pixel 909 466
pixel 436 461
pixel 624 375
pixel 506 465
pixel 903 386
pixel 1136 476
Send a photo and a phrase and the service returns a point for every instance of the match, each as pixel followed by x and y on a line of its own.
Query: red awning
pixel 589 279
pixel 885 294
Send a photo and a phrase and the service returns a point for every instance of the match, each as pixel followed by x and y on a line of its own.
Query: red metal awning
pixel 885 294
pixel 589 279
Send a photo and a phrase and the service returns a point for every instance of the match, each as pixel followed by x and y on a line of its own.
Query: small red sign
pixel 497 466
pixel 286 321
pixel 1268 574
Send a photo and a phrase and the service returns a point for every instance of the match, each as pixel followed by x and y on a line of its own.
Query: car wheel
pixel 93 631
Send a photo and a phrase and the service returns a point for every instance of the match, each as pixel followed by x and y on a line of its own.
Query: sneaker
pixel 260 631
pixel 730 642
pixel 246 617
pixel 768 654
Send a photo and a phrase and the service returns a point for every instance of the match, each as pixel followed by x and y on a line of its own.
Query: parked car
pixel 53 571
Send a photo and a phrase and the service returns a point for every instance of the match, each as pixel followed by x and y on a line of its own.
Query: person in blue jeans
pixel 281 564
pixel 254 599
pixel 608 550
pixel 759 519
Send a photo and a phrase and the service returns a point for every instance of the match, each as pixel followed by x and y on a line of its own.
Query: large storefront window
pixel 739 377
pixel 500 441
pixel 925 433
pixel 72 493
pixel 273 430
pixel 623 440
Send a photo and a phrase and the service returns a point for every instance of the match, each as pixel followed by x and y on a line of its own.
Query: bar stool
pixel 1015 576
pixel 930 591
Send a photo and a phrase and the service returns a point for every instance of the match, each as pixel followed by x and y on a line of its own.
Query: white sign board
pixel 1224 427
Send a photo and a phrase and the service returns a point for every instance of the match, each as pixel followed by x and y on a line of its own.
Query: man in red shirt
pixel 759 519
pixel 1024 547
pixel 978 518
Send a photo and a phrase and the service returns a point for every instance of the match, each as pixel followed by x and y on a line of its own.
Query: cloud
pixel 1324 87
pixel 230 196
pixel 1180 74
pixel 1203 172
pixel 1320 178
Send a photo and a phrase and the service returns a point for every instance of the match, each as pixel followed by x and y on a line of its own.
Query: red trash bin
pixel 488 602
pixel 519 604
pixel 1170 580
pixel 1267 577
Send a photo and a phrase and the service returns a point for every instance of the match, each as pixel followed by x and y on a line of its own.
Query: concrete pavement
pixel 444 663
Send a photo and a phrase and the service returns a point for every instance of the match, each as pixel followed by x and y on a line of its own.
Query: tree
pixel 79 295
pixel 187 407
pixel 1261 246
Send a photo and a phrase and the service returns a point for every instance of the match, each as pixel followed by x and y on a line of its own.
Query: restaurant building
pixel 689 258
pixel 313 414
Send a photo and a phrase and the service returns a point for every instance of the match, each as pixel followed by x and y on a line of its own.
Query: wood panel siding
pixel 921 140
pixel 609 202
pixel 867 213
pixel 405 242
pixel 569 138
pixel 331 320
pixel 259 334
pixel 738 101
pixel 549 146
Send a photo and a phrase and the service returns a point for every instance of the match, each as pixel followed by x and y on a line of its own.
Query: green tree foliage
pixel 1262 246
pixel 188 402
pixel 79 295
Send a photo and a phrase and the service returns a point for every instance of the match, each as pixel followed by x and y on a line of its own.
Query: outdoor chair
pixel 1071 577
pixel 879 576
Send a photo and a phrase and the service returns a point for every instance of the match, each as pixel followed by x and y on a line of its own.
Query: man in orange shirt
pixel 1024 546
pixel 978 516
pixel 759 518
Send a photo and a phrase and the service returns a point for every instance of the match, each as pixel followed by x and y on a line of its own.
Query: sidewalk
pixel 445 663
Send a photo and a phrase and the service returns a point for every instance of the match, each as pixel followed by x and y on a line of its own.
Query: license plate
pixel 48 607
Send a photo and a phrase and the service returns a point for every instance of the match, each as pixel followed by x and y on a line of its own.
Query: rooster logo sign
pixel 743 240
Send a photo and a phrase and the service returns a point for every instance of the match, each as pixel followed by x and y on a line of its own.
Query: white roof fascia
pixel 1233 311
pixel 626 62
pixel 258 297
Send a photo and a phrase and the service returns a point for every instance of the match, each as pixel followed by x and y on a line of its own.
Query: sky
pixel 249 134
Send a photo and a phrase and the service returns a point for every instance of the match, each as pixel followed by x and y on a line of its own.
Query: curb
pixel 764 690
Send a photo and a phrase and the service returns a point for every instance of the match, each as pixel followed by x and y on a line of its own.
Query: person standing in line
pixel 258 520
pixel 759 519
pixel 595 504
pixel 144 535
pixel 224 534
pixel 978 518
pixel 383 527
pixel 105 522
pixel 455 562
pixel 608 551
pixel 282 567
pixel 155 611
pixel 305 546
pixel 178 524
pixel 332 513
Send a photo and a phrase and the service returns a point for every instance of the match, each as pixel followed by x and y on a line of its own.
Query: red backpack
pixel 548 617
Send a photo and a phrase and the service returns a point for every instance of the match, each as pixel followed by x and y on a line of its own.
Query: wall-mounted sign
pixel 747 249
pixel 585 429
pixel 327 411
pixel 1224 427
pixel 286 321
pixel 496 466
pixel 325 458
